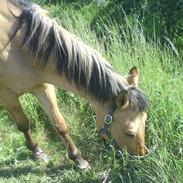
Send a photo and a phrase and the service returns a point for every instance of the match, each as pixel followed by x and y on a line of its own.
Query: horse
pixel 36 54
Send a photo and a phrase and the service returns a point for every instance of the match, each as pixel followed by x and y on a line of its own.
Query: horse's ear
pixel 133 76
pixel 122 99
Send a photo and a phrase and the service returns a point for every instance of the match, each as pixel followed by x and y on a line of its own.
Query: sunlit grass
pixel 160 77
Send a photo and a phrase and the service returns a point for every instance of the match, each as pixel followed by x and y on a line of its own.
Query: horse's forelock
pixel 138 99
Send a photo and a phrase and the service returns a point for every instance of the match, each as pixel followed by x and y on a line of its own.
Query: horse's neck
pixel 51 76
pixel 61 82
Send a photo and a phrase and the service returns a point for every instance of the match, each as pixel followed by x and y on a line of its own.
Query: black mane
pixel 79 63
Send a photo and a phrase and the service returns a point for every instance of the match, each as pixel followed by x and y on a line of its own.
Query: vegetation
pixel 124 45
pixel 158 18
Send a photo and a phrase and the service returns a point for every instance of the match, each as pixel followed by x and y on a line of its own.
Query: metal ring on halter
pixel 104 131
pixel 108 119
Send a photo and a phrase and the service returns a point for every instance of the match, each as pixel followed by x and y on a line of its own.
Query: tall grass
pixel 160 78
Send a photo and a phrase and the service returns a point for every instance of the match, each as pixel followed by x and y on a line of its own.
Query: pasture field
pixel 161 77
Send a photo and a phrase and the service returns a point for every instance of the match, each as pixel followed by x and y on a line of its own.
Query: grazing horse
pixel 36 54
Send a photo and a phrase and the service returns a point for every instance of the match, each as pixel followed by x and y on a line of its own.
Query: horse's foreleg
pixel 9 100
pixel 45 93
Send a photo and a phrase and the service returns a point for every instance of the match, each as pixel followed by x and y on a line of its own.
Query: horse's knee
pixel 21 120
pixel 60 124
pixel 62 129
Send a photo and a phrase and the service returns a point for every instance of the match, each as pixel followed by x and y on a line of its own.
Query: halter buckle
pixel 104 131
pixel 108 119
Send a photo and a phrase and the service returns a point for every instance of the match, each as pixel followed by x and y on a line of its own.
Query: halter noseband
pixel 104 131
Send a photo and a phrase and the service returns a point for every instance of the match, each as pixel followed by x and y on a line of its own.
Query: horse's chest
pixel 17 85
pixel 19 81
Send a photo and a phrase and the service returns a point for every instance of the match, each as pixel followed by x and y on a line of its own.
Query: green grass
pixel 160 77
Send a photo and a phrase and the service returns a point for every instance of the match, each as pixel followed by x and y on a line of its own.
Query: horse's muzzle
pixel 148 152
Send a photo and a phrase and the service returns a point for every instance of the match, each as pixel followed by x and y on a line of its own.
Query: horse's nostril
pixel 142 151
pixel 129 134
pixel 147 153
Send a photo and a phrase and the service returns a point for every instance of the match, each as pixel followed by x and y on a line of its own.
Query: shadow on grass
pixel 9 169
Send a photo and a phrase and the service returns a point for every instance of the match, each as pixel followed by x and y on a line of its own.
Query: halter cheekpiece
pixel 108 118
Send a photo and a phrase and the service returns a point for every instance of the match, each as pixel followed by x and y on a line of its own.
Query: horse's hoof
pixel 39 154
pixel 82 164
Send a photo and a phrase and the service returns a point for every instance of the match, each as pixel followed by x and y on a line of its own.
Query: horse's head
pixel 126 117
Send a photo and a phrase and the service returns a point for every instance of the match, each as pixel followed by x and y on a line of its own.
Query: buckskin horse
pixel 36 54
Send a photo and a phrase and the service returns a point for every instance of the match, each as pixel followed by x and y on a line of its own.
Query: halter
pixel 108 118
